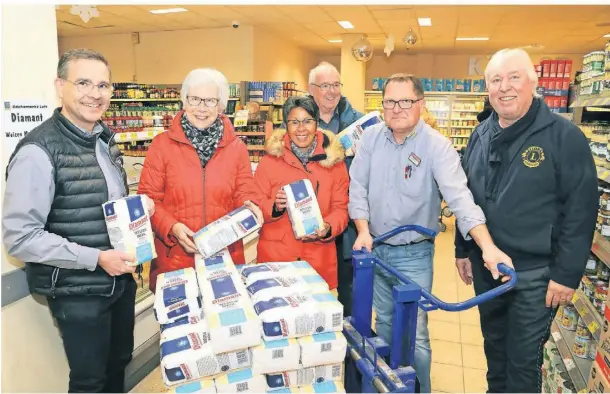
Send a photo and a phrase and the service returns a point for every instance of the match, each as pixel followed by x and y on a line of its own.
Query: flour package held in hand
pixel 283 285
pixel 177 296
pixel 225 231
pixel 276 356
pixel 228 309
pixel 243 381
pixel 253 272
pixel 129 229
pixel 353 132
pixel 303 209
pixel 325 387
pixel 306 376
pixel 323 349
pixel 299 315
pixel 205 385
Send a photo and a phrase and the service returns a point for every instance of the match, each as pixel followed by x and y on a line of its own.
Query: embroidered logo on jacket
pixel 533 156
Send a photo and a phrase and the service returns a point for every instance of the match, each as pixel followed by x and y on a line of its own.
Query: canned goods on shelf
pixel 581 329
pixel 581 347
pixel 601 290
pixel 592 266
pixel 592 350
pixel 603 272
pixel 569 319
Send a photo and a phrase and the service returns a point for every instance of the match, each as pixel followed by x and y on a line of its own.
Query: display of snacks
pixel 581 328
pixel 129 90
pixel 569 318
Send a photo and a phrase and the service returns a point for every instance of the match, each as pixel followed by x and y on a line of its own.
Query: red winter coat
pixel 328 175
pixel 183 192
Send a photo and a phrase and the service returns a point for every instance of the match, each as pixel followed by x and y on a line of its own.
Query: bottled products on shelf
pixel 135 148
pixel 134 117
pixel 129 90
pixel 271 92
pixel 442 84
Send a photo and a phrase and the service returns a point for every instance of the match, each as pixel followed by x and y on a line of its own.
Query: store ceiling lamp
pixel 389 45
pixel 346 24
pixel 410 38
pixel 607 36
pixel 472 38
pixel 335 41
pixel 168 11
pixel 86 12
pixel 424 21
pixel 362 50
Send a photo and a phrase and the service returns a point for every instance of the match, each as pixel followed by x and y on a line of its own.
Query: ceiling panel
pixel 347 13
pixel 326 28
pixel 394 15
pixel 306 14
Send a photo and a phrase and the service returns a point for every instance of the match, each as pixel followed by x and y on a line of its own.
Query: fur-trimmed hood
pixel 332 154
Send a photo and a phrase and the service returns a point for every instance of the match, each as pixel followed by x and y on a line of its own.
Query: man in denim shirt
pixel 397 178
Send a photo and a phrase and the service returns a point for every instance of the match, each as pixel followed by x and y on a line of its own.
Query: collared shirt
pixel 29 193
pixel 334 123
pixel 394 184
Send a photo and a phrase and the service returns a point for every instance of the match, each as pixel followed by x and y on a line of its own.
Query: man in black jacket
pixel 58 177
pixel 532 173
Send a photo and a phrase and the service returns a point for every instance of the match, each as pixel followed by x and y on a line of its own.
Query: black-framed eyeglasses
pixel 85 86
pixel 403 104
pixel 327 86
pixel 208 101
pixel 308 122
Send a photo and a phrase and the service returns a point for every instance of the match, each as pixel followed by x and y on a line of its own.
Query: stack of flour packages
pixel 268 327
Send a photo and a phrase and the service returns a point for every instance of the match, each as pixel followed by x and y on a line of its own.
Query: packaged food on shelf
pixel 129 228
pixel 598 380
pixel 569 318
pixel 581 328
pixel 591 268
pixel 303 209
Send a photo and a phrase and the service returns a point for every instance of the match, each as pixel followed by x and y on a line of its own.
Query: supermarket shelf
pixel 463 127
pixel 256 147
pixel 465 118
pixel 599 162
pixel 251 133
pixel 600 100
pixel 138 136
pixel 432 93
pixel 578 368
pixel 146 100
pixel 591 317
pixel 601 248
pixel 603 174
pixel 474 111
pixel 460 136
pixel 233 98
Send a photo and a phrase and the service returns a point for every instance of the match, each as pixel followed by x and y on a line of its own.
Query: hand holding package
pixel 353 133
pixel 303 209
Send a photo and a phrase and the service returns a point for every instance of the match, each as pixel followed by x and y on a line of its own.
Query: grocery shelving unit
pixel 455 112
pixel 578 368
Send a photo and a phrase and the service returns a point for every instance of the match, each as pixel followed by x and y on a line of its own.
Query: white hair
pixel 321 67
pixel 504 54
pixel 207 76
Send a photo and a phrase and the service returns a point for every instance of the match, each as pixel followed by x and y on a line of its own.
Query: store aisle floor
pixel 458 361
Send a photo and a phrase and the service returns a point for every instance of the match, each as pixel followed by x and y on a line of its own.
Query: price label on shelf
pixel 151 134
pixel 593 326
pixel 241 118
pixel 134 136
pixel 121 137
pixel 557 336
pixel 569 363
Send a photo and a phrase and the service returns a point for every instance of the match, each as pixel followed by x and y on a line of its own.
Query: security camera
pixel 235 24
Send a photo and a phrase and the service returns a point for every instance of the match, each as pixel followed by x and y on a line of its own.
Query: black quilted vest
pixel 76 213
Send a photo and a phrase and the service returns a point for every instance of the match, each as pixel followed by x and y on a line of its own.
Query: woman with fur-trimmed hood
pixel 303 152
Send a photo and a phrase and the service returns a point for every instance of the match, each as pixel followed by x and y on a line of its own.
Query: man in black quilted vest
pixel 58 177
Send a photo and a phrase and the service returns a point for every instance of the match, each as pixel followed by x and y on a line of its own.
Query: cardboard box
pixel 553 69
pixel 602 360
pixel 551 83
pixel 544 82
pixel 567 71
pixel 539 70
pixel 561 66
pixel 566 84
pixel 598 383
pixel 546 68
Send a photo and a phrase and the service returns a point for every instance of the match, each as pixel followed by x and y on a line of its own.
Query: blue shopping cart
pixel 366 368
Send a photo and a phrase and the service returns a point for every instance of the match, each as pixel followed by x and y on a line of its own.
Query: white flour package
pixel 205 385
pixel 283 285
pixel 243 381
pixel 325 387
pixel 299 315
pixel 305 376
pixel 184 326
pixel 303 209
pixel 177 296
pixel 276 356
pixel 225 231
pixel 191 357
pixel 129 229
pixel 353 132
pixel 221 259
pixel 253 272
pixel 322 349
pixel 228 309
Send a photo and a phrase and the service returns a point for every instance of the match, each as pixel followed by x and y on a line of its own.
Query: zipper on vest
pixel 54 277
pixel 204 198
pixel 126 191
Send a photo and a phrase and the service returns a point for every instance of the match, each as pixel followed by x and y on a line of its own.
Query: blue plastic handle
pixel 430 301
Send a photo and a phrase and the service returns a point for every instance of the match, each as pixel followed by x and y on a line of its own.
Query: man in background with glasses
pixel 58 177
pixel 397 178
pixel 336 114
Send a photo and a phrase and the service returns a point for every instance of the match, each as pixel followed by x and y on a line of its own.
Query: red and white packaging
pixel 563 102
pixel 546 68
pixel 551 83
pixel 553 69
pixel 566 84
pixel 567 71
pixel 544 82
pixel 561 66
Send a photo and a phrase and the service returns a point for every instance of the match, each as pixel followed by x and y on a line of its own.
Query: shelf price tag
pixel 134 136
pixel 556 336
pixel 593 326
pixel 241 118
pixel 151 134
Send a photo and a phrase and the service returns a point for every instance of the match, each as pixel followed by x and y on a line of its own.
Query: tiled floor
pixel 458 361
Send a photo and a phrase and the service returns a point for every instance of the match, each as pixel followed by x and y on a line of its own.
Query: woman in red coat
pixel 303 152
pixel 196 172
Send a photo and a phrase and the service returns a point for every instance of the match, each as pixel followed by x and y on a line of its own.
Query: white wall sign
pixel 20 117
pixel 474 65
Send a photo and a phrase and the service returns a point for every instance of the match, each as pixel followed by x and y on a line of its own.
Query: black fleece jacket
pixel 537 185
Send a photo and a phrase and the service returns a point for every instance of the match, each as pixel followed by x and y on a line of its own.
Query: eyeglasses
pixel 209 101
pixel 305 122
pixel 403 104
pixel 85 86
pixel 327 86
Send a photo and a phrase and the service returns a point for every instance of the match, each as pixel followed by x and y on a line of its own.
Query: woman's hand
pixel 150 204
pixel 321 233
pixel 280 200
pixel 184 236
pixel 256 210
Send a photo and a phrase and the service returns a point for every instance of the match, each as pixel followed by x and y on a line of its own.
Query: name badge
pixel 414 159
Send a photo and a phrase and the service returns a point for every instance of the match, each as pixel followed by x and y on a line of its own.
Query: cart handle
pixel 431 302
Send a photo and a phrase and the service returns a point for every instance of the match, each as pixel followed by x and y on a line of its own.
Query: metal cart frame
pixel 366 369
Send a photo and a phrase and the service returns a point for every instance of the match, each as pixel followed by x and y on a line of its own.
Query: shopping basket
pixel 366 369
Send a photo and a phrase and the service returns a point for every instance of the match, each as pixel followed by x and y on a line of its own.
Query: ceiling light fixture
pixel 424 21
pixel 472 38
pixel 335 41
pixel 346 24
pixel 607 36
pixel 168 11
pixel 86 12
